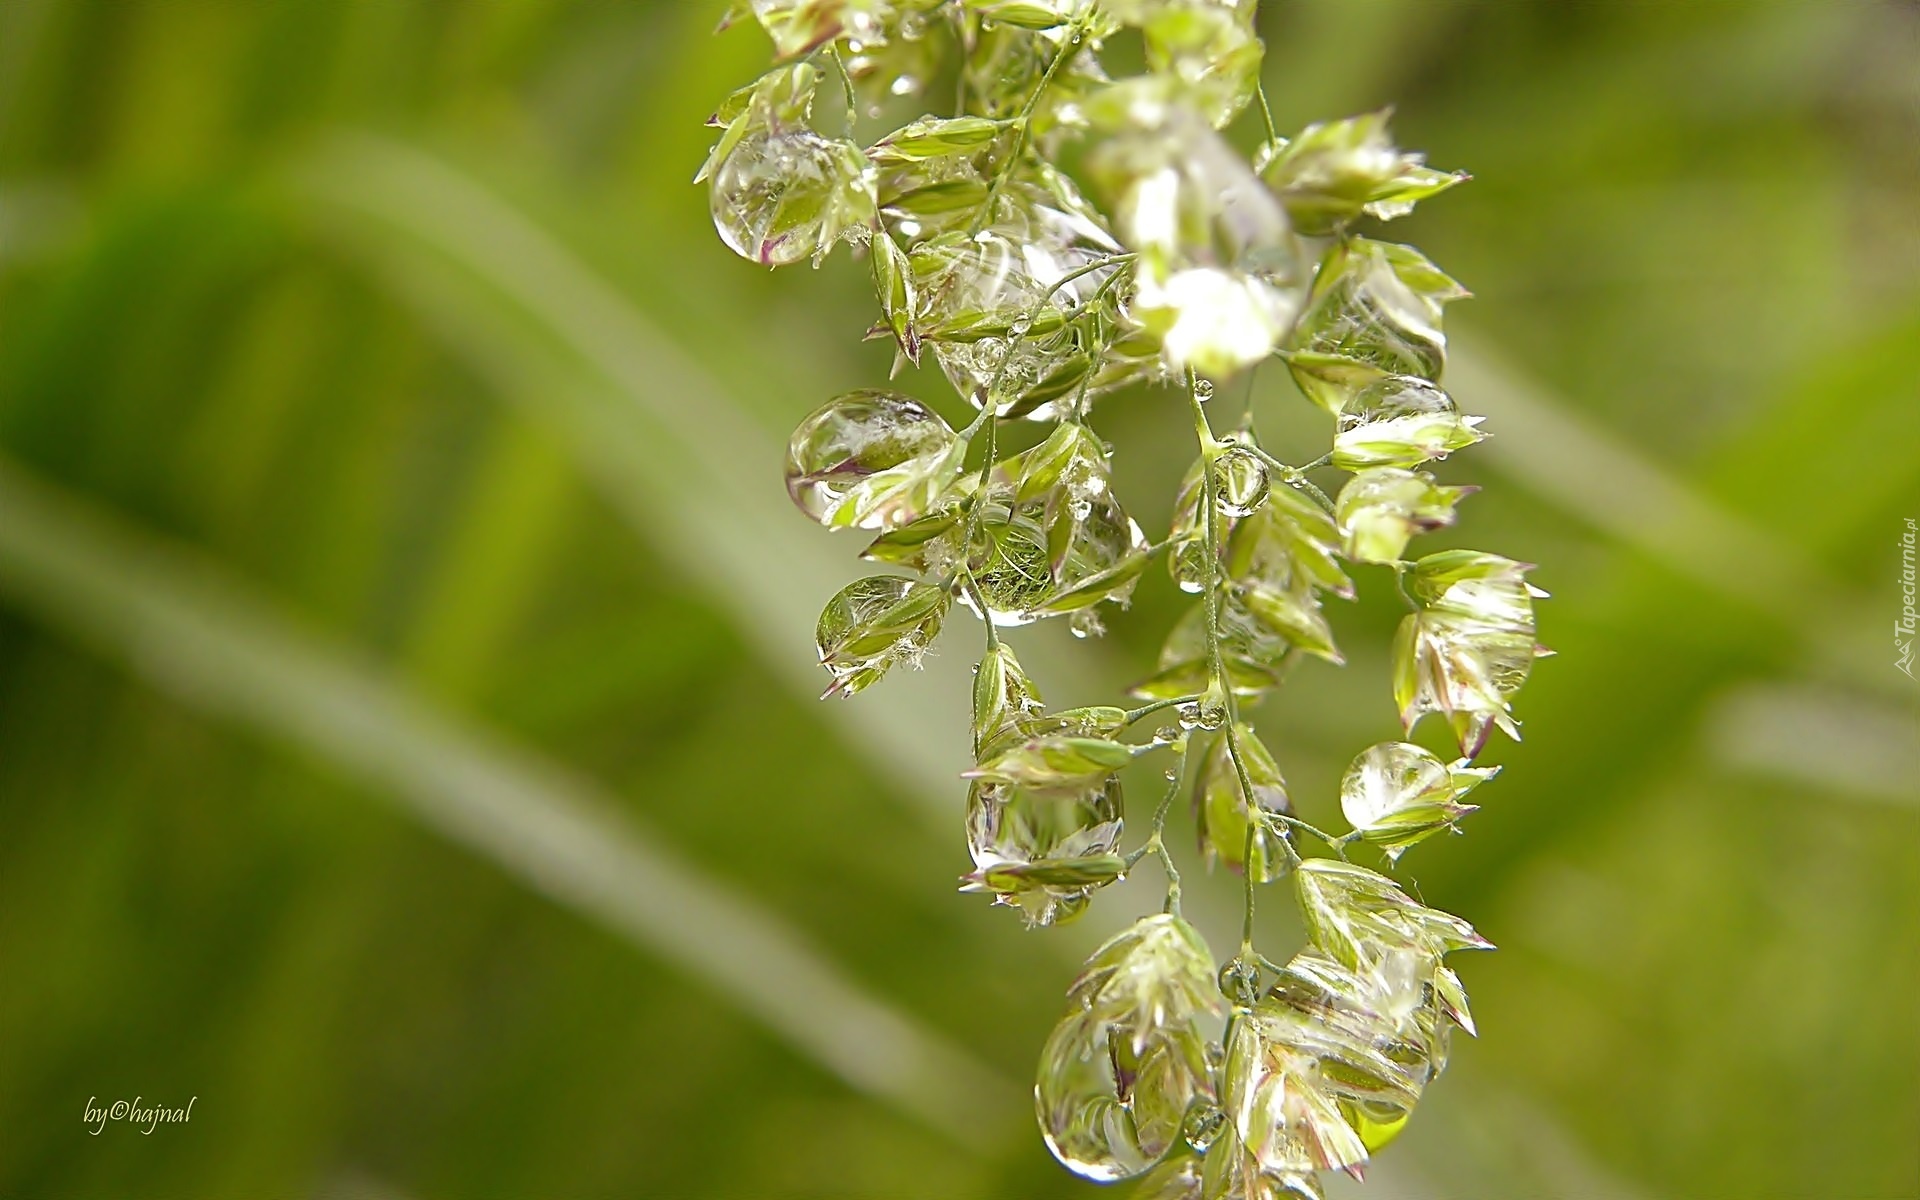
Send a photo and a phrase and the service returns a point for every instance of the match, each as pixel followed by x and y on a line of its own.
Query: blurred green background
pixel 406 733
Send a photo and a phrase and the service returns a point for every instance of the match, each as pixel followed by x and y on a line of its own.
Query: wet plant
pixel 1060 235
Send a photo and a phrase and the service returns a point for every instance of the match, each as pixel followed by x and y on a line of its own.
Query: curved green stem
pixel 1337 844
pixel 1024 120
pixel 972 527
pixel 1156 842
pixel 1266 111
pixel 1295 477
pixel 1210 449
pixel 1400 585
pixel 846 85
pixel 1135 715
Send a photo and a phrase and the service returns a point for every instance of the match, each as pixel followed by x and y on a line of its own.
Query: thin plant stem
pixel 846 86
pixel 1156 842
pixel 1303 484
pixel 1295 477
pixel 1337 844
pixel 960 75
pixel 1173 875
pixel 1137 715
pixel 1024 120
pixel 972 529
pixel 1266 110
pixel 1400 585
pixel 1210 448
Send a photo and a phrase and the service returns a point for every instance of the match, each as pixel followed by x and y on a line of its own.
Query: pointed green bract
pixel 1331 173
pixel 1400 421
pixel 1003 696
pixel 1375 311
pixel 1222 812
pixel 935 137
pixel 1381 509
pixel 1397 795
pixel 1126 1064
pixel 871 460
pixel 899 298
pixel 1354 915
pixel 1055 760
pixel 800 26
pixel 874 624
pixel 1469 648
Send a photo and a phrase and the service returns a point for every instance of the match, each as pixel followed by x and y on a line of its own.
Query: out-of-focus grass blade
pixel 202 638
pixel 1828 740
pixel 1588 473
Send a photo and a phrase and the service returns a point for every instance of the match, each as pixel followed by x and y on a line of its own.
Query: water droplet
pixel 870 459
pixel 1189 565
pixel 1005 273
pixel 1086 624
pixel 1242 482
pixel 1203 1127
pixel 1210 714
pixel 1189 714
pixel 1203 390
pixel 785 195
pixel 1240 982
pixel 1016 827
pixel 860 637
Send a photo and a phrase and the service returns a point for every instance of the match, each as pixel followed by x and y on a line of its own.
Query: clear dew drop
pixel 1240 982
pixel 1242 480
pixel 1203 390
pixel 776 197
pixel 1210 714
pixel 1021 325
pixel 1203 1127
pixel 1190 566
pixel 868 459
pixel 1189 714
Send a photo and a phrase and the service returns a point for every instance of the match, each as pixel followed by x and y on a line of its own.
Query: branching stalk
pixel 1045 816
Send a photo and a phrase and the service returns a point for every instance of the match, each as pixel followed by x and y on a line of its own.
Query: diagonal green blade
pixel 182 627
